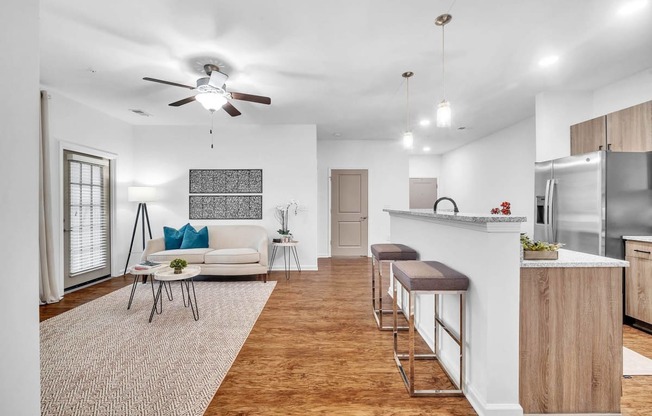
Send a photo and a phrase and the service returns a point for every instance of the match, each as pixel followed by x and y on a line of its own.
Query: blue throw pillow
pixel 195 239
pixel 173 238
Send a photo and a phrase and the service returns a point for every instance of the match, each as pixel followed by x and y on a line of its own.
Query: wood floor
pixel 315 349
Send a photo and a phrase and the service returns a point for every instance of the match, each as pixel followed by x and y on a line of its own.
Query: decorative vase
pixel 178 271
pixel 286 238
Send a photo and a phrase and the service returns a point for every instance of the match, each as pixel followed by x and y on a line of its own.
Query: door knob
pixel 363 218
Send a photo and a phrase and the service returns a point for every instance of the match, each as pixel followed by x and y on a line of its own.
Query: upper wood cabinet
pixel 588 136
pixel 628 130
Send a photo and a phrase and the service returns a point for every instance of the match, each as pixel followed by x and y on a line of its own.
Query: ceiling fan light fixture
pixel 444 114
pixel 211 101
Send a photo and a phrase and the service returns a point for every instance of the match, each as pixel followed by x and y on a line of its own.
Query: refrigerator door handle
pixel 551 211
pixel 546 210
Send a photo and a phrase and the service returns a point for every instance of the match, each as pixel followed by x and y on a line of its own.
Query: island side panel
pixel 570 340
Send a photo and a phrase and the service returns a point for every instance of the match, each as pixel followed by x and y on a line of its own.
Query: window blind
pixel 89 220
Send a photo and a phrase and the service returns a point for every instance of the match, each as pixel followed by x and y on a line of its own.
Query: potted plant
pixel 178 265
pixel 539 250
pixel 282 215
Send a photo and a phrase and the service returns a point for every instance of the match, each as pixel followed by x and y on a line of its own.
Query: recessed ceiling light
pixel 461 128
pixel 631 7
pixel 424 122
pixel 548 60
pixel 426 149
pixel 337 134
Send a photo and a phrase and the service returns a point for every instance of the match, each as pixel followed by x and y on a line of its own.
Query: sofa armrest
pixel 153 246
pixel 263 247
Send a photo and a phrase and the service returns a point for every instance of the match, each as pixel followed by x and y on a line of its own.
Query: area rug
pixel 635 364
pixel 102 359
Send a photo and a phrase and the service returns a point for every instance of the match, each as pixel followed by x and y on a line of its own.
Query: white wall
pixel 555 113
pixel 286 153
pixel 19 112
pixel 387 163
pixel 425 166
pixel 497 168
pixel 75 126
pixel 622 94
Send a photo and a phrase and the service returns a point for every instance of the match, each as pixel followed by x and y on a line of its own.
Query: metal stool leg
pixel 133 290
pixel 156 300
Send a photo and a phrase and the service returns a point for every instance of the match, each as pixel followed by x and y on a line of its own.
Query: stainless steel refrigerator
pixel 588 202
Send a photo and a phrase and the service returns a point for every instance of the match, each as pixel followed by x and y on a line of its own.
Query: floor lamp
pixel 140 194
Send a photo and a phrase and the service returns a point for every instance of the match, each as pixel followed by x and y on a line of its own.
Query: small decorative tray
pixel 540 255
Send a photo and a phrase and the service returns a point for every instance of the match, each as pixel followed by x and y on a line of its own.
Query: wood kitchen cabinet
pixel 589 136
pixel 638 281
pixel 628 130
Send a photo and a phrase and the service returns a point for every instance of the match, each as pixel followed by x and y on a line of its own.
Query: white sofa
pixel 234 250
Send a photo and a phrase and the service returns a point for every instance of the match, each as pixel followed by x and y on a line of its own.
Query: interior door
pixel 349 212
pixel 87 219
pixel 423 193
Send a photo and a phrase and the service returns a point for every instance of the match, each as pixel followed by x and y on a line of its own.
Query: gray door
pixel 349 212
pixel 577 201
pixel 423 193
pixel 87 220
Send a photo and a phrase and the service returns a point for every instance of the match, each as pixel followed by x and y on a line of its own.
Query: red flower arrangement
pixel 505 209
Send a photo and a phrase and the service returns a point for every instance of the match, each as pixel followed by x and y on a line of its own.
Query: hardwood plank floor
pixel 315 349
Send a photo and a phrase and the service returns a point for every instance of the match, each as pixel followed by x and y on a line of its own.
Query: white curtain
pixel 49 291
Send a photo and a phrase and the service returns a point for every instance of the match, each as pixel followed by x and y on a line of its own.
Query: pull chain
pixel 212 118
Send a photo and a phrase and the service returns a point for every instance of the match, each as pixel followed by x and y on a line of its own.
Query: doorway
pixel 423 193
pixel 87 218
pixel 349 212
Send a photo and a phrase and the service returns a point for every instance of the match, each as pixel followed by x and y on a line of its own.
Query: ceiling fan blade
pixel 229 108
pixel 182 102
pixel 249 97
pixel 160 81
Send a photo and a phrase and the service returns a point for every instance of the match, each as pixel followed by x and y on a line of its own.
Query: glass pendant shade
pixel 444 114
pixel 408 140
pixel 211 101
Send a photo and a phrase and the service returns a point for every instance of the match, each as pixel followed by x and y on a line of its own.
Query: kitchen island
pixel 543 318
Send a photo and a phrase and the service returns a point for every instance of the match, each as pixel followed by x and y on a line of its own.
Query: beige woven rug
pixel 102 359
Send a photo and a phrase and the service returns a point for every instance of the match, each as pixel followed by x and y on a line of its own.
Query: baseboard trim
pixel 485 409
pixel 309 268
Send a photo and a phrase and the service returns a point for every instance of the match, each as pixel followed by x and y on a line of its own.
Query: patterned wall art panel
pixel 226 181
pixel 226 207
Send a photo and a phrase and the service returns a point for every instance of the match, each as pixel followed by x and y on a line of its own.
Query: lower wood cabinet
pixel 638 281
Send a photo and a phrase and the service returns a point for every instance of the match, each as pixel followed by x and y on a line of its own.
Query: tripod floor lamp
pixel 142 195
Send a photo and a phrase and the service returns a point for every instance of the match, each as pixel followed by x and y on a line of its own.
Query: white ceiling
pixel 338 63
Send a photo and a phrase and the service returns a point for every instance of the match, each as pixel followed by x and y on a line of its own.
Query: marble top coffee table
pixel 185 278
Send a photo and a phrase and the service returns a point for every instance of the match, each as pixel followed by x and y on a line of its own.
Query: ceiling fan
pixel 212 93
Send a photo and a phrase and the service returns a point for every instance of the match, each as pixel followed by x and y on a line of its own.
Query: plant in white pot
pixel 282 214
pixel 178 265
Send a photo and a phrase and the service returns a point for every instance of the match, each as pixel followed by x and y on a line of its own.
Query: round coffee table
pixel 138 271
pixel 184 278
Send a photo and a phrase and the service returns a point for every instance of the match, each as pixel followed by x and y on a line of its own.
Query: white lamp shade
pixel 444 114
pixel 141 193
pixel 211 101
pixel 408 140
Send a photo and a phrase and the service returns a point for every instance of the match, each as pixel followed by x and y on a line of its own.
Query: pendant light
pixel 408 138
pixel 444 107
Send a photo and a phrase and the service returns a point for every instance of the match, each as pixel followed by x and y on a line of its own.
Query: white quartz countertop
pixel 459 217
pixel 570 258
pixel 643 238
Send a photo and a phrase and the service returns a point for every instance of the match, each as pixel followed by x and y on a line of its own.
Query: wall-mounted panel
pixel 226 207
pixel 226 181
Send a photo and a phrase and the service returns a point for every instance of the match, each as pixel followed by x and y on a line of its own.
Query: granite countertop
pixel 642 238
pixel 459 217
pixel 570 258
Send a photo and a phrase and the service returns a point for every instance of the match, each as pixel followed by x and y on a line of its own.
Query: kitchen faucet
pixel 455 210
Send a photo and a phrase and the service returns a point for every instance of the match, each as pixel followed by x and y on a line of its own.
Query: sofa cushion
pixel 195 239
pixel 191 255
pixel 232 256
pixel 173 238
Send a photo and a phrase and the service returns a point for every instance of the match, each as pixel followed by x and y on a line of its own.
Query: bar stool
pixel 434 278
pixel 385 253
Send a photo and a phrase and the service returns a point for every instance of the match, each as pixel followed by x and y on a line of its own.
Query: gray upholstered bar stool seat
pixel 385 253
pixel 434 278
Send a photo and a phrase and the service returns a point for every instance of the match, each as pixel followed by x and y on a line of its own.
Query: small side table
pixel 184 278
pixel 136 273
pixel 289 249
